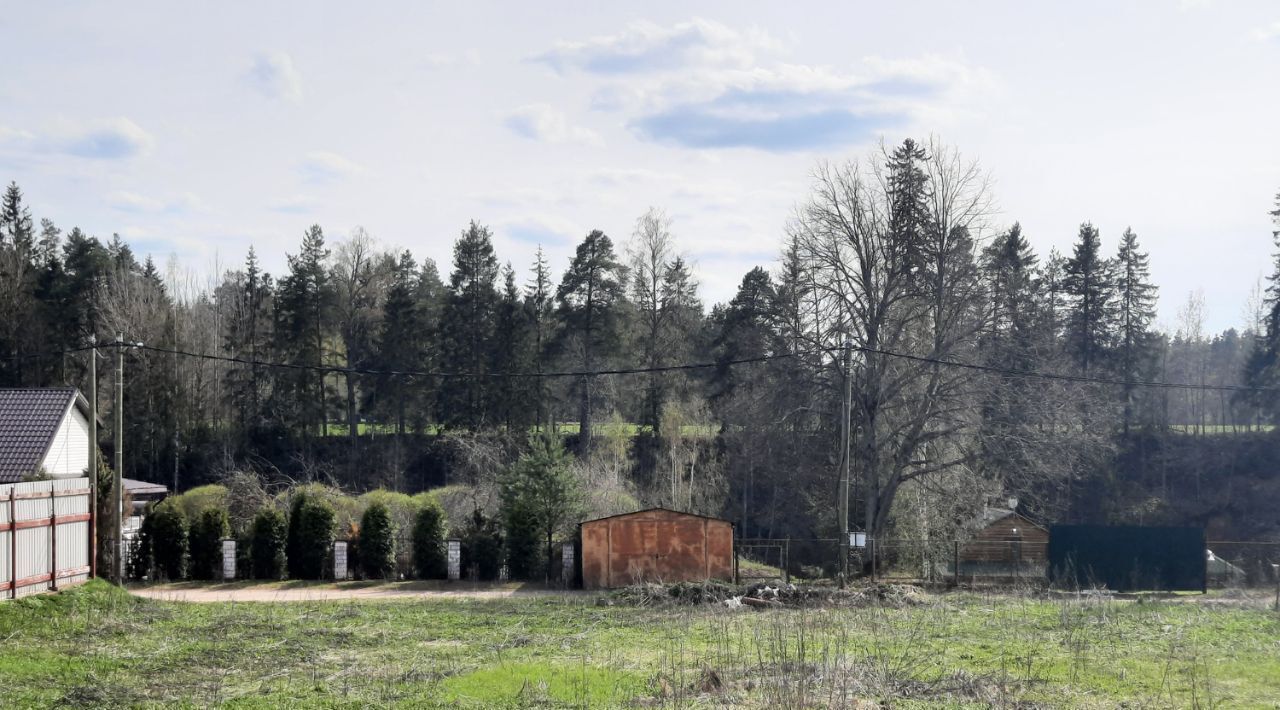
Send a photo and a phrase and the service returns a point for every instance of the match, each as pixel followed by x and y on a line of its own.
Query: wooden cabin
pixel 1006 545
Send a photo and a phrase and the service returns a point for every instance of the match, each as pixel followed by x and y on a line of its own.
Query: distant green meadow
pixel 97 646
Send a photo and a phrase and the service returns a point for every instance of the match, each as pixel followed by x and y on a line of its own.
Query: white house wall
pixel 69 453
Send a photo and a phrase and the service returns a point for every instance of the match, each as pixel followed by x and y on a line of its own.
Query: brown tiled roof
pixel 29 419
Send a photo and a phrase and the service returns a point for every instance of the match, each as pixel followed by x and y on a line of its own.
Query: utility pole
pixel 846 404
pixel 117 505
pixel 93 455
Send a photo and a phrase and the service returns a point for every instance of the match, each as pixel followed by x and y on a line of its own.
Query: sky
pixel 198 129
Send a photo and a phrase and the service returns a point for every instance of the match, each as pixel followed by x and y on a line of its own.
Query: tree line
pixel 896 254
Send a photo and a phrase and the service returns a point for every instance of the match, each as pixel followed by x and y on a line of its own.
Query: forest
pixel 977 367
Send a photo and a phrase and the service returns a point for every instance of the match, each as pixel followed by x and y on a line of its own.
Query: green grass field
pixel 96 646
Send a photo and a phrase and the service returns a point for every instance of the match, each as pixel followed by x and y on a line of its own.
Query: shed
pixel 655 545
pixel 1006 544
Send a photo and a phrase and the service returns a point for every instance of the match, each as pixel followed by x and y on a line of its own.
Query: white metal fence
pixel 44 535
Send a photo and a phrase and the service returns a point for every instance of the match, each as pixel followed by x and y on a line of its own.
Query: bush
pixel 293 546
pixel 377 542
pixel 199 499
pixel 267 539
pixel 312 529
pixel 168 541
pixel 428 542
pixel 524 553
pixel 482 546
pixel 207 533
pixel 140 557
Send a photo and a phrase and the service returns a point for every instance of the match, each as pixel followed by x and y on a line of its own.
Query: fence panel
pixel 44 533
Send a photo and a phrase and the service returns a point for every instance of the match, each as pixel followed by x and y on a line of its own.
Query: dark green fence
pixel 1127 557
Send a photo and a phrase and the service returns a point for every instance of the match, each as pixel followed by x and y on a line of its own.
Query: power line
pixel 1009 372
pixel 1083 379
pixel 48 354
pixel 480 375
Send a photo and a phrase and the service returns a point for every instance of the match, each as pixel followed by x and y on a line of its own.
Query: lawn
pixel 96 646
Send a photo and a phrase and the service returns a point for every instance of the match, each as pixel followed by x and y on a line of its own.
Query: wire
pixel 1011 372
pixel 49 354
pixel 488 375
pixel 1034 374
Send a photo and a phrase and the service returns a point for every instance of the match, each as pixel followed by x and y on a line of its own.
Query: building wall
pixel 69 453
pixel 655 546
pixel 998 543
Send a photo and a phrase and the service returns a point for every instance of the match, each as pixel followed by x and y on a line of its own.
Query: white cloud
pixel 1268 33
pixel 295 204
pixel 322 166
pixel 544 229
pixel 541 122
pixel 106 139
pixel 274 75
pixel 645 46
pixel 706 86
pixel 127 201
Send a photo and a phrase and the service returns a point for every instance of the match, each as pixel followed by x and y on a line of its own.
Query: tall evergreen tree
pixel 1262 370
pixel 1135 309
pixel 590 298
pixel 512 352
pixel 401 341
pixel 539 301
pixel 248 337
pixel 301 307
pixel 1090 285
pixel 467 326
pixel 16 227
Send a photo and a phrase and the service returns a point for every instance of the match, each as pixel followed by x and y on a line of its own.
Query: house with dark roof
pixel 43 431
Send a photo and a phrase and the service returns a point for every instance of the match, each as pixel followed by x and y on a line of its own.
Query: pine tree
pixel 1090 285
pixel 1135 309
pixel 745 331
pixel 590 298
pixel 467 326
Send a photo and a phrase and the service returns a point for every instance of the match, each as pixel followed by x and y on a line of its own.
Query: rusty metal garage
pixel 655 545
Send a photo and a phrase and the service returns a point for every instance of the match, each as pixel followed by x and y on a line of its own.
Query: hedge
pixel 267 539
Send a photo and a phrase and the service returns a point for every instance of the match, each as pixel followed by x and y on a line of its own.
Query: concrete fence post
pixel 340 570
pixel 228 559
pixel 454 548
pixel 567 564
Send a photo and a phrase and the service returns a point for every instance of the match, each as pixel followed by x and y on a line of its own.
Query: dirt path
pixel 286 592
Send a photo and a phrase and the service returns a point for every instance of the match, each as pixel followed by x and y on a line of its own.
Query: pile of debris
pixel 765 596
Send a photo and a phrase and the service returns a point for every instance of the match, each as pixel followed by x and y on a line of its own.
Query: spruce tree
pixel 301 309
pixel 401 340
pixel 1090 286
pixel 1262 369
pixel 512 352
pixel 467 327
pixel 1135 309
pixel 538 301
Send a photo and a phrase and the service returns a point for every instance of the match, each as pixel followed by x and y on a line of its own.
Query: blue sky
pixel 197 130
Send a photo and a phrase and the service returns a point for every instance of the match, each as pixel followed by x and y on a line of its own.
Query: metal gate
pixel 766 558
